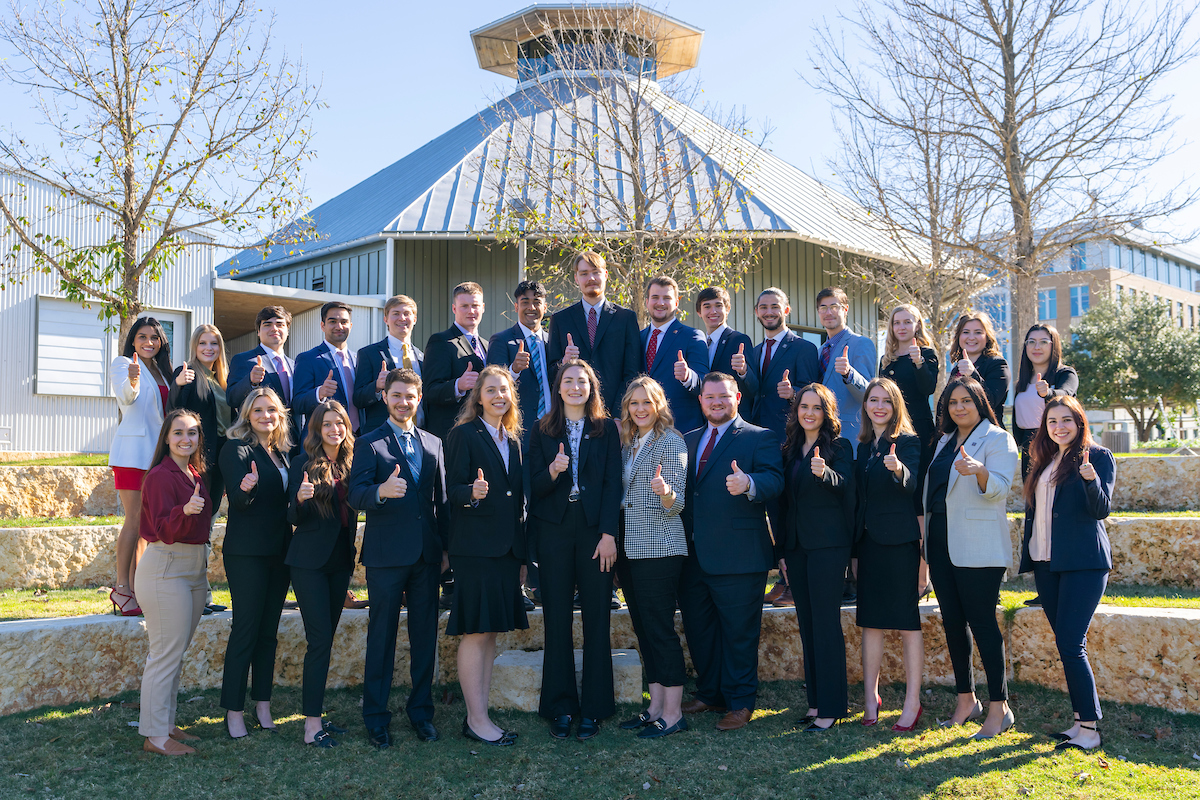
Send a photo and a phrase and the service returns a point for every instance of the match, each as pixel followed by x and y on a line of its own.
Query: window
pixel 1047 304
pixel 1191 316
pixel 73 350
pixel 1078 257
pixel 1079 300
pixel 1120 292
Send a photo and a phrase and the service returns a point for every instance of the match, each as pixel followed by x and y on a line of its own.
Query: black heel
pixel 1070 745
pixel 230 733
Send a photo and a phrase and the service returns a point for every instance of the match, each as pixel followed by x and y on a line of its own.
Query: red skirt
pixel 128 478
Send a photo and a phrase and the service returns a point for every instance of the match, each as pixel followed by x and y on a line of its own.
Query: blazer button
pixel 1056 515
pixel 508 494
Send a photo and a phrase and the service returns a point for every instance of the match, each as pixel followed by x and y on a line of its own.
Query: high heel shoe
pixel 976 713
pixel 120 608
pixel 869 721
pixel 231 736
pixel 1008 721
pixel 908 728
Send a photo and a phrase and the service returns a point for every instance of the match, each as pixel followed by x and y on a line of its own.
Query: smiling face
pixel 719 401
pixel 714 313
pixel 147 343
pixel 879 406
pixel 591 280
pixel 962 410
pixel 972 339
pixel 641 409
pixel 531 309
pixel 1062 426
pixel 771 311
pixel 661 302
pixel 832 314
pixel 336 326
pixel 495 398
pixel 1038 346
pixel 184 437
pixel 208 347
pixel 810 413
pixel 402 400
pixel 264 416
pixel 273 332
pixel 574 387
pixel 468 310
pixel 904 327
pixel 400 321
pixel 333 429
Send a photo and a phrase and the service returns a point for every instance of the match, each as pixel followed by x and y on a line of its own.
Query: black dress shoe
pixel 1034 601
pixel 560 726
pixel 426 732
pixel 381 738
pixel 503 741
pixel 329 727
pixel 205 611
pixel 322 740
pixel 815 728
pixel 529 604
pixel 640 721
pixel 588 728
pixel 615 603
pixel 658 729
pixel 216 608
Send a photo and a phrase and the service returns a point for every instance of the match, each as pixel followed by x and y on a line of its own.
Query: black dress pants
pixel 1069 599
pixel 566 560
pixel 258 586
pixel 321 594
pixel 816 580
pixel 651 587
pixel 386 587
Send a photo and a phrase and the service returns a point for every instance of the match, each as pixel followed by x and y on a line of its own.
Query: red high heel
pixel 119 609
pixel 869 721
pixel 909 728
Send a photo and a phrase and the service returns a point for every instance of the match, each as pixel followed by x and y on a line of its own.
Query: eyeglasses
pixel 1038 342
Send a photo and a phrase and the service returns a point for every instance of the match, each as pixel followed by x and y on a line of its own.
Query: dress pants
pixel 258 586
pixel 387 587
pixel 566 552
pixel 816 580
pixel 321 594
pixel 968 596
pixel 169 583
pixel 651 587
pixel 1069 599
pixel 722 620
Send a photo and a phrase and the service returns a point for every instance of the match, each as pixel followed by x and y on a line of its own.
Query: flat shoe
pixel 658 729
pixel 587 728
pixel 1069 745
pixel 181 735
pixel 560 726
pixel 640 721
pixel 323 740
pixel 502 741
pixel 329 727
pixel 171 748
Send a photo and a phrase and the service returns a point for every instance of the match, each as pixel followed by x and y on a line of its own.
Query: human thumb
pixel 893 449
pixel 1038 378
pixel 258 361
pixel 680 357
pixel 785 374
pixel 561 452
pixel 330 376
pixel 816 452
pixel 254 468
pixel 963 450
pixel 396 472
pixel 742 349
pixel 520 345
pixel 196 492
pixel 846 351
pixel 735 466
pixel 1087 456
pixel 480 474
pixel 569 342
pixel 658 472
pixel 304 478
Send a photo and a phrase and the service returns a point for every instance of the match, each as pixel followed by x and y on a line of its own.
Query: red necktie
pixel 708 448
pixel 767 355
pixel 593 321
pixel 652 350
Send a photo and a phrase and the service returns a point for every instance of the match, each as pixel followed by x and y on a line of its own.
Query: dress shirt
pixel 398 431
pixel 714 341
pixel 634 452
pixel 396 348
pixel 1028 408
pixel 774 348
pixel 500 437
pixel 834 343
pixel 541 346
pixel 471 338
pixel 340 373
pixel 587 308
pixel 1039 543
pixel 279 362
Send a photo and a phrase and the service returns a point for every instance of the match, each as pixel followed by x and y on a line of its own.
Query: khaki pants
pixel 170 586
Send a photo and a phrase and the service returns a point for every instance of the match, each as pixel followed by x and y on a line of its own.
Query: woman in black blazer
pixel 257 533
pixel 486 500
pixel 199 385
pixel 816 516
pixel 891 573
pixel 574 508
pixel 1068 494
pixel 321 555
pixel 975 353
pixel 1042 376
pixel 912 364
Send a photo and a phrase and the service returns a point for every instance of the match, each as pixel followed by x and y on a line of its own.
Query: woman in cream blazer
pixel 967 543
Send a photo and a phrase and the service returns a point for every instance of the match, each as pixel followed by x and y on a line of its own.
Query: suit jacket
pixel 992 372
pixel 142 416
pixel 616 356
pixel 916 385
pixel 885 504
pixel 599 478
pixel 851 390
pixel 258 519
pixel 188 397
pixel 1078 539
pixel 312 367
pixel 727 534
pixel 400 530
pixel 816 513
pixel 315 534
pixel 239 377
pixel 976 522
pixel 502 350
pixel 682 397
pixel 447 356
pixel 369 401
pixel 494 525
pixel 722 360
pixel 1064 382
pixel 652 531
pixel 799 357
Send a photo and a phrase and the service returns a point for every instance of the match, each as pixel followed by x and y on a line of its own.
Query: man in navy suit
pixel 327 371
pixel 729 351
pixel 676 355
pixel 785 362
pixel 522 348
pixel 600 332
pixel 847 359
pixel 453 359
pixel 399 480
pixel 734 470
pixel 265 365
pixel 375 361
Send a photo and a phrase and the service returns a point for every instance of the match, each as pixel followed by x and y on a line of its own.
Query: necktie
pixel 407 359
pixel 826 350
pixel 593 321
pixel 348 388
pixel 535 361
pixel 767 345
pixel 284 381
pixel 410 455
pixel 652 350
pixel 708 448
pixel 474 340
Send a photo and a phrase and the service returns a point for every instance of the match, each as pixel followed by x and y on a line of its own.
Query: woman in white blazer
pixel 139 380
pixel 967 543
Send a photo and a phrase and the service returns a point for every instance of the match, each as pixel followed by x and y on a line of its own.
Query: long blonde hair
pixel 220 368
pixel 654 391
pixel 919 335
pixel 900 422
pixel 322 472
pixel 511 421
pixel 280 439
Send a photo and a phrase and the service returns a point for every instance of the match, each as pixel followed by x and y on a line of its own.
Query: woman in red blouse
pixel 170 580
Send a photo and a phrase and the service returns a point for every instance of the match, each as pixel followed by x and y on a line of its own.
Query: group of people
pixel 686 463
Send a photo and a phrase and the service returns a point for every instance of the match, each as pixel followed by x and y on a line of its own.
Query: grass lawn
pixel 1014 593
pixel 59 522
pixel 88 751
pixel 77 460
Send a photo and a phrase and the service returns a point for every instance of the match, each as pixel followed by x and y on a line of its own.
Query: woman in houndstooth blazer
pixel 653 549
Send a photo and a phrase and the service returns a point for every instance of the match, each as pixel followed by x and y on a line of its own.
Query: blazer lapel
pixel 775 369
pixel 493 449
pixel 721 445
pixel 385 353
pixel 722 343
pixel 607 312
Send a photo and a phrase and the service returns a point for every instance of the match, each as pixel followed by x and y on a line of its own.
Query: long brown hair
pixel 511 421
pixel 162 449
pixel 1025 376
pixel 900 421
pixel 920 337
pixel 990 346
pixel 1043 449
pixel 323 473
pixel 831 426
pixel 654 391
pixel 555 420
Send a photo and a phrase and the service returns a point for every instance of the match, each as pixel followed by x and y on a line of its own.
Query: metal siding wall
pixel 357 271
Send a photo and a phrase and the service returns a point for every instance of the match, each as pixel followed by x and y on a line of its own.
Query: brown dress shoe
pixel 784 600
pixel 171 748
pixel 734 719
pixel 180 735
pixel 695 706
pixel 353 602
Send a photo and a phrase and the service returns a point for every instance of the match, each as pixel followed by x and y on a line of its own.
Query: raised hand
pixel 737 362
pixel 329 388
pixel 250 479
pixel 258 371
pixel 521 362
pixel 560 464
pixel 185 376
pixel 468 380
pixel 891 463
pixel 914 352
pixel 737 482
pixel 394 487
pixel 381 378
pixel 659 485
pixel 967 465
pixel 479 489
pixel 681 368
pixel 135 372
pixel 818 463
pixel 784 388
pixel 966 367
pixel 307 490
pixel 1086 470
pixel 841 364
pixel 570 351
pixel 195 503
pixel 1041 386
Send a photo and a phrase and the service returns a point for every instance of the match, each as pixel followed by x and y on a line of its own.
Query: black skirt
pixel 487 595
pixel 887 585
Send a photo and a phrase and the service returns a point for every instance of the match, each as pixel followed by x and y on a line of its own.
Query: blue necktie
pixel 411 456
pixel 535 360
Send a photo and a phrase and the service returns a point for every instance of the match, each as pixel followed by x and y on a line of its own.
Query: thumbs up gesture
pixel 394 487
pixel 965 367
pixel 468 379
pixel 967 465
pixel 914 352
pixel 258 371
pixel 737 362
pixel 1041 386
pixel 521 362
pixel 784 388
pixel 195 503
pixel 250 479
pixel 818 463
pixel 381 378
pixel 185 376
pixel 570 351
pixel 1086 470
pixel 135 372
pixel 560 464
pixel 658 485
pixel 737 482
pixel 891 463
pixel 841 364
pixel 306 489
pixel 327 389
pixel 681 368
pixel 479 489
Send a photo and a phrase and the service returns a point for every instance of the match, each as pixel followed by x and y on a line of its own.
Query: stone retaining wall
pixel 1139 655
pixel 1144 483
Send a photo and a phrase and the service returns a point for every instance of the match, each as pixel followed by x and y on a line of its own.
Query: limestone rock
pixel 57 492
pixel 517 678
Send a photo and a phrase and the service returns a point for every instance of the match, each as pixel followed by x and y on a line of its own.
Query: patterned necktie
pixel 708 448
pixel 767 345
pixel 652 350
pixel 348 388
pixel 474 340
pixel 535 361
pixel 826 350
pixel 284 381
pixel 593 321
pixel 407 359
pixel 410 455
